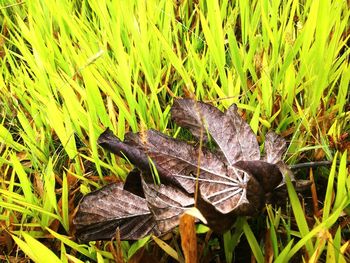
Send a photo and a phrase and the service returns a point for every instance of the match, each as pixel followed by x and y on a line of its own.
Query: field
pixel 70 69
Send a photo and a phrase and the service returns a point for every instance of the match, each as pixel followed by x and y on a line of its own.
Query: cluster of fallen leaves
pixel 231 180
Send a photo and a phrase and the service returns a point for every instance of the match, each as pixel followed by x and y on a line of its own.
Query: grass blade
pixel 299 214
pixel 253 243
pixel 36 250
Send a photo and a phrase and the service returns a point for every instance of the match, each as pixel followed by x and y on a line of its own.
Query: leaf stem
pixel 312 164
pixel 199 154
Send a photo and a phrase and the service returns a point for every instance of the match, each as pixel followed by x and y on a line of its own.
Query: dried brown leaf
pixel 221 206
pixel 267 174
pixel 275 147
pixel 135 155
pixel 166 203
pixel 133 183
pixel 231 133
pixel 232 181
pixel 176 160
pixel 102 212
pixel 188 238
pixel 268 247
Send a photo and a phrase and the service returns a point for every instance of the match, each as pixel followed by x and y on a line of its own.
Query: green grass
pixel 69 69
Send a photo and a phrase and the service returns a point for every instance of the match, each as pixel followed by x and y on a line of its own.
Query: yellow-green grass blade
pixel 299 215
pixel 341 192
pixel 35 250
pixel 253 243
pixel 329 190
pixel 83 249
pixel 25 183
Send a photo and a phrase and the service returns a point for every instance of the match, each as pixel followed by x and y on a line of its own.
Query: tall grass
pixel 70 68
